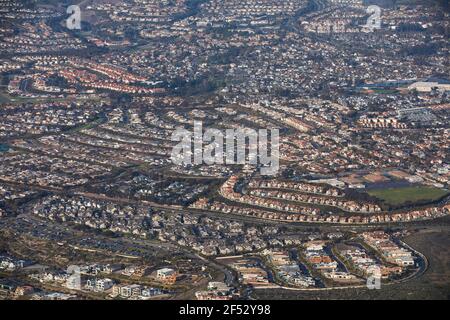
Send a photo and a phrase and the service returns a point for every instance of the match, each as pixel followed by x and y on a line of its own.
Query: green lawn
pixel 398 196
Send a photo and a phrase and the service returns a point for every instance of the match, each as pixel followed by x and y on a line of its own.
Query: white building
pixel 165 273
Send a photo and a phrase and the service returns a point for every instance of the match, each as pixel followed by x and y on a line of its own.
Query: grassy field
pixel 6 98
pixel 398 196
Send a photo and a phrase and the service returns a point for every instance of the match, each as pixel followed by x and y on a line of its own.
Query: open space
pixel 399 196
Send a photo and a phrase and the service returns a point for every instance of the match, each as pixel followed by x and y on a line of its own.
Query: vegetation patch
pixel 409 195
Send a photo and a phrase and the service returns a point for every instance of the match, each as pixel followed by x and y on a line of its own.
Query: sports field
pixel 398 196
